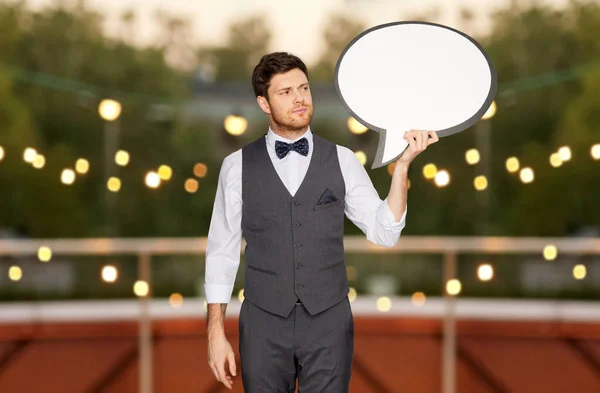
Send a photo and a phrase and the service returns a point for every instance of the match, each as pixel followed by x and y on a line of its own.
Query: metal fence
pixel 448 247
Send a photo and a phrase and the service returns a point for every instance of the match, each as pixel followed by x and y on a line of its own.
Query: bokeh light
pixel 165 172
pixel 176 300
pixel 355 127
pixel 453 287
pixel 384 304
pixel 550 252
pixel 109 110
pixel 472 156
pixel 362 157
pixel 122 158
pixel 82 166
pixel 418 299
pixel 512 164
pixel 109 273
pixel 442 178
pixel 141 288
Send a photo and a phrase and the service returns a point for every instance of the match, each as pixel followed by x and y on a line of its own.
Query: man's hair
pixel 271 64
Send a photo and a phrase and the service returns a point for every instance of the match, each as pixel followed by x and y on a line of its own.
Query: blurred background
pixel 115 117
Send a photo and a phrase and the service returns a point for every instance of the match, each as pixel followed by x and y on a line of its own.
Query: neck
pixel 288 133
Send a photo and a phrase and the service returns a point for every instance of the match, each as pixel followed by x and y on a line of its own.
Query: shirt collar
pixel 272 137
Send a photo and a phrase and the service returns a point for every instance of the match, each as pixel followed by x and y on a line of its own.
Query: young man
pixel 287 193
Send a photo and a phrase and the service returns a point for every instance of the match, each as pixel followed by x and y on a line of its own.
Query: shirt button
pixel 299 286
pixel 296 224
pixel 298 245
pixel 299 266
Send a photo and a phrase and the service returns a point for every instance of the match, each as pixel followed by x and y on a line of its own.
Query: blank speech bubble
pixel 414 75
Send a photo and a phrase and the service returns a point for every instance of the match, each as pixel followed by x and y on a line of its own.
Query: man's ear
pixel 264 104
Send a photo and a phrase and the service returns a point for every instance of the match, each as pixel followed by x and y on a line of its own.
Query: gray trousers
pixel 316 350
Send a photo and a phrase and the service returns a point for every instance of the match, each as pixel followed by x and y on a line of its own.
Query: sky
pixel 296 24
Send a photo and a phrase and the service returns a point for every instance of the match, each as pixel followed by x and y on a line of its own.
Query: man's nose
pixel 298 96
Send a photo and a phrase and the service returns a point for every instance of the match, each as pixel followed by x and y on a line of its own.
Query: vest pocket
pixel 328 205
pixel 258 269
pixel 331 266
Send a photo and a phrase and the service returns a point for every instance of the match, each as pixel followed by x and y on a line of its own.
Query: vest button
pixel 298 245
pixel 299 265
pixel 299 286
pixel 296 224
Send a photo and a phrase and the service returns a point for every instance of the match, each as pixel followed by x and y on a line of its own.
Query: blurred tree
pixel 248 40
pixel 338 32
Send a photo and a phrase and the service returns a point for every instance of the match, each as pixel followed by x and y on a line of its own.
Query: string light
pixel 442 178
pixel 453 287
pixel 512 164
pixel 67 176
pixel 564 153
pixel 490 112
pixel 418 299
pixel 122 158
pixel 555 160
pixel 44 254
pixel 114 184
pixel 15 273
pixel 165 172
pixel 109 273
pixel 550 252
pixel 384 304
pixel 355 127
pixel 109 110
pixel 362 157
pixel 579 271
pixel 39 162
pixel 472 156
pixel 29 155
pixel 200 170
pixel 82 166
pixel 485 272
pixel 526 175
pixel 152 179
pixel 429 171
pixel 594 151
pixel 141 288
pixel 352 294
pixel 191 185
pixel 235 125
pixel 176 300
pixel 480 183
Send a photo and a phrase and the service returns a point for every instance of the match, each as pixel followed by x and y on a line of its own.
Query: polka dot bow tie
pixel 283 148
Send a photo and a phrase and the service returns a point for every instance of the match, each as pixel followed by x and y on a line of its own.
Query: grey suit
pixel 296 321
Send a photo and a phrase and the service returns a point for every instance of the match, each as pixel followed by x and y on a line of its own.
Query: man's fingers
pixel 231 359
pixel 214 371
pixel 222 376
pixel 432 137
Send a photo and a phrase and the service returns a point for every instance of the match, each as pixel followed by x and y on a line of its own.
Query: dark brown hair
pixel 271 64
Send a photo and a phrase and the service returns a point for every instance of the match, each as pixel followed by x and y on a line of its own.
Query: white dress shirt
pixel 363 207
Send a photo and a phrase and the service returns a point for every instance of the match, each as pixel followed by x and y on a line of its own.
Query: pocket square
pixel 327 197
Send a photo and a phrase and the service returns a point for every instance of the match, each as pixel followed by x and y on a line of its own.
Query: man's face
pixel 290 102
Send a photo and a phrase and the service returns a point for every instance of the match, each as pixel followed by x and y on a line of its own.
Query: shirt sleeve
pixel 225 233
pixel 364 207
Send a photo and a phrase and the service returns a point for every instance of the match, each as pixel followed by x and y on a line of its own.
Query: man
pixel 287 194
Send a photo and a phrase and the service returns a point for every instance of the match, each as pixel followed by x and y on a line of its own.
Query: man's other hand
pixel 221 358
pixel 418 140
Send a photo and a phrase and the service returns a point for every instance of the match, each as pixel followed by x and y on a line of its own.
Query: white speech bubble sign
pixel 414 75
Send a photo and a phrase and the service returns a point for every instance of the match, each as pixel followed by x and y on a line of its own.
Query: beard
pixel 288 121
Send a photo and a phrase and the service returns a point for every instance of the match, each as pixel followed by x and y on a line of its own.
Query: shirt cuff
pixel 388 219
pixel 218 293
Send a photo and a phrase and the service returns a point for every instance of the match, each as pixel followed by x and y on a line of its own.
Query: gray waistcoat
pixel 294 246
